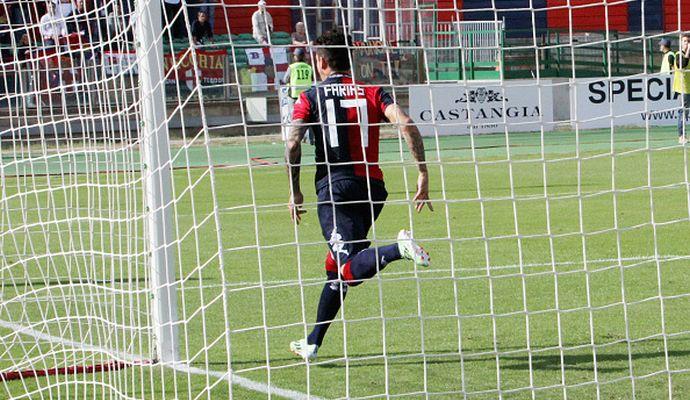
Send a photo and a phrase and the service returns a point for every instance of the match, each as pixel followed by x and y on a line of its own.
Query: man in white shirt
pixel 63 8
pixel 262 24
pixel 52 26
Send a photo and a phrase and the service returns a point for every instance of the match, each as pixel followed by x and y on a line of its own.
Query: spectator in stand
pixel 79 20
pixel 262 24
pixel 201 29
pixel 5 11
pixel 176 26
pixel 210 10
pixel 299 36
pixel 193 8
pixel 108 18
pixel 82 23
pixel 115 21
pixel 63 8
pixel 5 35
pixel 100 20
pixel 19 14
pixel 52 26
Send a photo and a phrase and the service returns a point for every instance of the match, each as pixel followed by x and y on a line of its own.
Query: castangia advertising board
pixel 482 107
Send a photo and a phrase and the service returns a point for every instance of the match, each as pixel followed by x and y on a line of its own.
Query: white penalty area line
pixel 135 359
pixel 247 383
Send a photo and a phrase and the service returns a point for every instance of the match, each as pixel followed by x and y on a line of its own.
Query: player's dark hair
pixel 685 35
pixel 333 48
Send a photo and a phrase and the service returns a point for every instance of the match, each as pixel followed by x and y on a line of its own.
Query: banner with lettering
pixel 482 106
pixel 179 72
pixel 630 101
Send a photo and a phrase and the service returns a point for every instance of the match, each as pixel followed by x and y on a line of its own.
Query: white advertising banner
pixel 626 102
pixel 115 63
pixel 259 82
pixel 482 107
pixel 255 56
pixel 280 56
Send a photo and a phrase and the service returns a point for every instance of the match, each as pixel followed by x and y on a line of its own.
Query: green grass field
pixel 560 270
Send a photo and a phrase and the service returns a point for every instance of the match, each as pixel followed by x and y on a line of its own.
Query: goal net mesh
pixel 146 249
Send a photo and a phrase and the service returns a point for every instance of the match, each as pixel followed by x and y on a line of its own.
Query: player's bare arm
pixel 293 157
pixel 414 141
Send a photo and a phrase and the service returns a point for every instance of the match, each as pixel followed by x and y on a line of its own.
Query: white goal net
pixel 147 251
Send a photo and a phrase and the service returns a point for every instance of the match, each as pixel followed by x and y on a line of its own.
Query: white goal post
pixel 155 151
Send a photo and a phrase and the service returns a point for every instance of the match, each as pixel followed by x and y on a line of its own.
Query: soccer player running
pixel 345 118
pixel 681 85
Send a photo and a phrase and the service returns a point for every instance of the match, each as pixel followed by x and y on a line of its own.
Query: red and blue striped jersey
pixel 345 120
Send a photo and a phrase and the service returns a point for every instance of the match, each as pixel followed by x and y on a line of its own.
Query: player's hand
pixel 422 196
pixel 295 206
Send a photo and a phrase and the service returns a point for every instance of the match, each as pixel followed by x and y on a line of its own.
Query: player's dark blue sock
pixel 329 304
pixel 365 265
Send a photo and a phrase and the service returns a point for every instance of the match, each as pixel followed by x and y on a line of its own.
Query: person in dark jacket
pixel 201 29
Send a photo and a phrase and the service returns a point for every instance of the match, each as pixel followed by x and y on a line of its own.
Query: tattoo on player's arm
pixel 416 145
pixel 397 116
pixel 293 153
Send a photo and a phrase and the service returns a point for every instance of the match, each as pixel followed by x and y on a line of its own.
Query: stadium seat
pixel 280 35
pixel 222 39
pixel 277 41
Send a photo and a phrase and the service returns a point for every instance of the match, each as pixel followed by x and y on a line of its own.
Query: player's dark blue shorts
pixel 347 208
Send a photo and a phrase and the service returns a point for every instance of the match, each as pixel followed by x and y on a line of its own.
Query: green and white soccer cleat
pixel 412 251
pixel 304 350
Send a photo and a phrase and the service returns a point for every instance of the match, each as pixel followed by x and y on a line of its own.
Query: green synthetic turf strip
pixel 127 157
pixel 459 327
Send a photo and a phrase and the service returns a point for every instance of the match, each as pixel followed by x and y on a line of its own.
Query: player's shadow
pixel 609 362
pixel 606 362
pixel 582 361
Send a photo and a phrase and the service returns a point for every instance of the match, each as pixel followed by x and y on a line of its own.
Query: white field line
pixel 181 367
